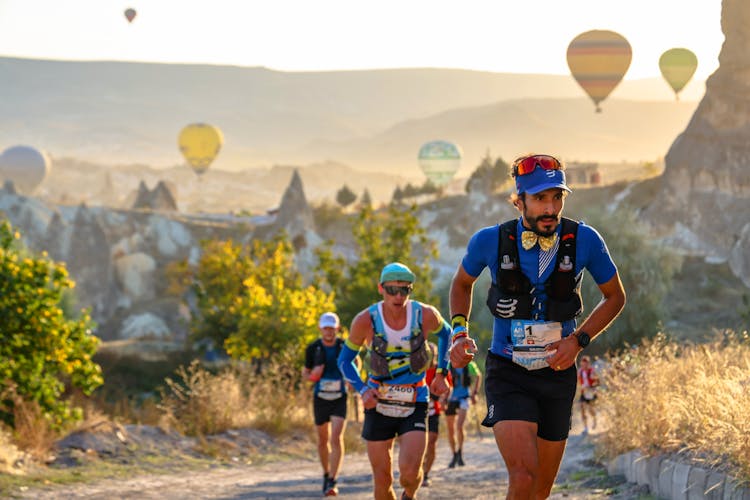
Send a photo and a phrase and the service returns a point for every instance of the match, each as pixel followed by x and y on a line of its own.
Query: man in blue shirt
pixel 537 263
pixel 329 398
pixel 466 382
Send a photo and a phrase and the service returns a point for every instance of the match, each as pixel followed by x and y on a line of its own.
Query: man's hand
pixel 439 385
pixel 567 351
pixel 316 373
pixel 462 351
pixel 370 398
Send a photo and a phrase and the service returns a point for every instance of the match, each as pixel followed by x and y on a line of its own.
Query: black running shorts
pixel 433 423
pixel 324 409
pixel 543 396
pixel 378 427
pixel 454 406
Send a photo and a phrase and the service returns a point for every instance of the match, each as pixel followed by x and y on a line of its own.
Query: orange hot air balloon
pixel 130 14
pixel 677 66
pixel 598 60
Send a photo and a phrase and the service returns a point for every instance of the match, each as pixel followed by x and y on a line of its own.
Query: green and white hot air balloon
pixel 439 160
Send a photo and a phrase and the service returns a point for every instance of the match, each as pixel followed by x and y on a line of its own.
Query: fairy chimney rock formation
pixel 704 200
pixel 160 198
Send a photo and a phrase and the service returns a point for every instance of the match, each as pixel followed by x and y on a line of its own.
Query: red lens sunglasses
pixel 528 164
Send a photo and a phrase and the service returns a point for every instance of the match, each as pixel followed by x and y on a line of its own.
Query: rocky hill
pixel 703 202
pixel 123 113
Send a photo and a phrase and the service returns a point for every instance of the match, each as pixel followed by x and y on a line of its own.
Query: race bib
pixel 397 401
pixel 330 389
pixel 530 339
pixel 431 408
pixel 588 393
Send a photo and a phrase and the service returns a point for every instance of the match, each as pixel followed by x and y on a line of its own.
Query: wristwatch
pixel 583 338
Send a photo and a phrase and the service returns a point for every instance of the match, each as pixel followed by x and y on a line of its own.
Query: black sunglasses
pixel 398 290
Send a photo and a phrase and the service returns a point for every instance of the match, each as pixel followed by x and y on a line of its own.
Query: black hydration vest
pixel 465 376
pixel 513 291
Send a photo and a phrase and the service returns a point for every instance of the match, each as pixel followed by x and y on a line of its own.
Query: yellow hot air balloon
pixel 677 67
pixel 598 60
pixel 439 161
pixel 199 144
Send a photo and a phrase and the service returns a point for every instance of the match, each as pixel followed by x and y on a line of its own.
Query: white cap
pixel 328 319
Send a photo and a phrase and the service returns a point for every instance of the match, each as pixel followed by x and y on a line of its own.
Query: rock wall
pixel 704 202
pixel 119 258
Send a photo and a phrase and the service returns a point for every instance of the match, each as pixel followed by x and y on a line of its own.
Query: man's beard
pixel 535 221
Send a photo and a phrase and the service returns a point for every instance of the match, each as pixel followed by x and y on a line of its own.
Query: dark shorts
pixel 433 423
pixel 543 396
pixel 324 409
pixel 378 427
pixel 454 406
pixel 587 401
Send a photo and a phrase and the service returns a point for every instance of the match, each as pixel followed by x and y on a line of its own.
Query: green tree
pixel 345 196
pixel 398 195
pixel 647 272
pixel 43 350
pixel 251 301
pixel 489 176
pixel 365 200
pixel 380 237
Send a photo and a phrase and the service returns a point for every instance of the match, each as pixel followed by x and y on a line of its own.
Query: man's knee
pixel 410 476
pixel 383 478
pixel 521 479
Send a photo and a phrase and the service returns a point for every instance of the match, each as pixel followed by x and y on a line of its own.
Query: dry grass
pixel 9 454
pixel 271 398
pixel 682 398
pixel 32 432
pixel 201 403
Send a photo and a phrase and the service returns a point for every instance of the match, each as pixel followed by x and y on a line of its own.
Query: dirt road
pixel 483 477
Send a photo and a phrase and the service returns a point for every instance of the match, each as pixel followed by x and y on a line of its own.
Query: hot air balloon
pixel 130 14
pixel 439 161
pixel 25 166
pixel 199 144
pixel 598 60
pixel 677 67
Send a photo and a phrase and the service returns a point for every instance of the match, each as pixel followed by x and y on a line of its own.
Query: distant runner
pixel 395 396
pixel 329 398
pixel 434 409
pixel 588 381
pixel 466 383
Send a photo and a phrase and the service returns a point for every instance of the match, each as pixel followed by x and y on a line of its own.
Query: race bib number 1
pixel 529 340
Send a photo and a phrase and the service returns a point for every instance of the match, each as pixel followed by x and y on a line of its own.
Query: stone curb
pixel 676 481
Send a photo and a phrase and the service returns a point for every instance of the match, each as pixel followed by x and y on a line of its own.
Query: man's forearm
pixel 460 299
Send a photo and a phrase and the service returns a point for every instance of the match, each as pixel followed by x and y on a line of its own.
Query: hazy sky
pixel 517 36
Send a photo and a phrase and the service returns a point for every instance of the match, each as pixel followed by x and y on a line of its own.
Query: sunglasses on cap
pixel 527 165
pixel 398 290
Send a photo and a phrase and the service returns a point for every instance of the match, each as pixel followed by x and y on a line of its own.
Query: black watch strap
pixel 583 338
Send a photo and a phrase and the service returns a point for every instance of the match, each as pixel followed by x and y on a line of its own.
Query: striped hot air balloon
pixel 598 60
pixel 439 161
pixel 677 67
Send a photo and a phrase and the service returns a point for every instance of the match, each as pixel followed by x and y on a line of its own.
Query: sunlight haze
pixel 302 35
